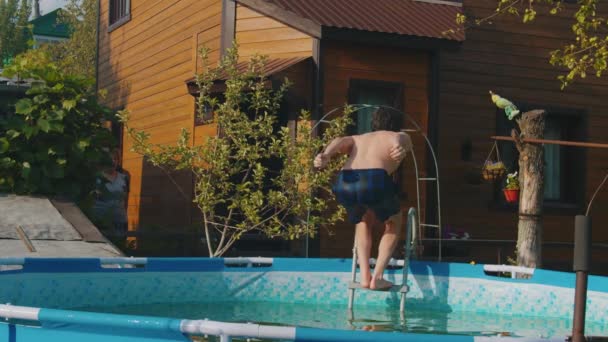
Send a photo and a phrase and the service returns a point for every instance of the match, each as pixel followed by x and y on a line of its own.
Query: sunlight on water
pixel 375 318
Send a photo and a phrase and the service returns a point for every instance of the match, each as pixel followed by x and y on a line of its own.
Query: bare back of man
pixel 373 150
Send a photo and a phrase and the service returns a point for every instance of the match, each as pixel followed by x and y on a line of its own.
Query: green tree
pixel 55 141
pixel 15 32
pixel 77 55
pixel 587 51
pixel 236 188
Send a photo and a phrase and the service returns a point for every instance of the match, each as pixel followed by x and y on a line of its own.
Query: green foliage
pixel 253 175
pixel 15 32
pixel 588 50
pixel 77 55
pixel 53 142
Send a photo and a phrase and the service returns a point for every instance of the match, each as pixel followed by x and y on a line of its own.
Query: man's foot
pixel 366 281
pixel 380 284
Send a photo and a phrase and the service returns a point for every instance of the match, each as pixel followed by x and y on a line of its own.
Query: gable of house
pixel 47 28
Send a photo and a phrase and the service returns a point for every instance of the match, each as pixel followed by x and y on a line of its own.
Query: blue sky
pixel 48 5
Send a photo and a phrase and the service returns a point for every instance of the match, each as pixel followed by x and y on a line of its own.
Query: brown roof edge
pixel 273 66
pixel 442 2
pixel 284 16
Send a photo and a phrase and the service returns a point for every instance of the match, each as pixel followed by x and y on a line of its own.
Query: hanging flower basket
pixel 493 170
pixel 511 195
pixel 511 189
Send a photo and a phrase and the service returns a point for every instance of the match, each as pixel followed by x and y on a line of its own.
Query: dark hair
pixel 386 119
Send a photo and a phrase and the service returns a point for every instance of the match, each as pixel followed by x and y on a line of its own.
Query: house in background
pixel 48 29
pixel 357 51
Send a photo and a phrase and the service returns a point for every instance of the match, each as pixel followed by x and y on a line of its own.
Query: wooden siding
pixel 258 34
pixel 345 61
pixel 143 65
pixel 512 60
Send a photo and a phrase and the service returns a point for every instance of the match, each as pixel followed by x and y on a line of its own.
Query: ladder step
pixel 427 179
pixel 429 225
pixel 394 288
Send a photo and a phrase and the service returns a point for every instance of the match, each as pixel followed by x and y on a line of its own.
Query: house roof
pixel 272 66
pixel 422 18
pixel 39 227
pixel 47 25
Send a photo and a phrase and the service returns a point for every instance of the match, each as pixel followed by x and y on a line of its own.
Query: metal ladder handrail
pixel 408 249
pixel 410 241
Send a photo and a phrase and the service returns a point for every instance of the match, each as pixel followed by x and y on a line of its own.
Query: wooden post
pixel 581 265
pixel 531 180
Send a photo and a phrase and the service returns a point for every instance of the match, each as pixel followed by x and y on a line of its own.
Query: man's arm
pixel 339 145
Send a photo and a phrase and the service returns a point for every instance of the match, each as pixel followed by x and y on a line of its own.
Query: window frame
pixel 119 21
pixel 573 164
pixel 207 119
pixel 357 83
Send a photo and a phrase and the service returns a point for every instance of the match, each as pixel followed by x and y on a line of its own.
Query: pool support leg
pixel 582 261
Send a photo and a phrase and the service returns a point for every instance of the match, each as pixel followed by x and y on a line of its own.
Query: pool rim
pixel 201 327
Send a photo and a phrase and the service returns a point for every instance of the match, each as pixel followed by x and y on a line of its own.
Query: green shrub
pixel 55 141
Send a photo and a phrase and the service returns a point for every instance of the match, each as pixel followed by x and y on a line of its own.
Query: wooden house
pixel 394 52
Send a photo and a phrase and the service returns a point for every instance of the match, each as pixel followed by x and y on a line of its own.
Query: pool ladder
pixel 410 239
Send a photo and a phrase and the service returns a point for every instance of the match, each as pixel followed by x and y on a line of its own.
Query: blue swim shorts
pixel 363 189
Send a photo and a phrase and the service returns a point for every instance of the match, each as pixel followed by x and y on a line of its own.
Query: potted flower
pixel 511 189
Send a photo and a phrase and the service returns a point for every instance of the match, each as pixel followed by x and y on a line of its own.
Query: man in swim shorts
pixel 365 188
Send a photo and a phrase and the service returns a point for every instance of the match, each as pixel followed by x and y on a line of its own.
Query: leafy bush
pixel 253 175
pixel 53 144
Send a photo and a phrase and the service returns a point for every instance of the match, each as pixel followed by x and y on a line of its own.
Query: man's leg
pixel 363 237
pixel 385 251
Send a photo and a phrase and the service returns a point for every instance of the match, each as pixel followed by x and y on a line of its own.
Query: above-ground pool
pixel 157 299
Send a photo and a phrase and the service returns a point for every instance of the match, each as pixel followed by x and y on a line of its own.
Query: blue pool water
pixel 374 318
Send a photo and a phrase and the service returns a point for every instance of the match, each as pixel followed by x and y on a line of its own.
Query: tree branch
pixel 229 244
pixel 209 247
pixel 227 220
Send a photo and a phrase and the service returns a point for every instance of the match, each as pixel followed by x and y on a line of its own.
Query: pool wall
pixel 64 284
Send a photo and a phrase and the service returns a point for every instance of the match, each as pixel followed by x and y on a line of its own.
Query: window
pixel 373 93
pixel 564 165
pixel 553 160
pixel 120 13
pixel 208 113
